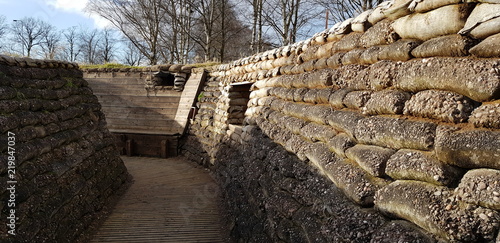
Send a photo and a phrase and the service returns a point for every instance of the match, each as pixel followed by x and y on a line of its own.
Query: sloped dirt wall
pixel 59 166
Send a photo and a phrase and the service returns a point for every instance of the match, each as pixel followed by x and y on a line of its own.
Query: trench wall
pixel 384 128
pixel 141 109
pixel 56 148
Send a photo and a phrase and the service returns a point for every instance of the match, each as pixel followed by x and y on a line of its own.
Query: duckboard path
pixel 170 200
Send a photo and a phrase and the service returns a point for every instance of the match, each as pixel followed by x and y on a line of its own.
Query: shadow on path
pixel 171 200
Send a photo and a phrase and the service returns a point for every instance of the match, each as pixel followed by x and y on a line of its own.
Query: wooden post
pixel 326 22
pixel 129 146
pixel 164 148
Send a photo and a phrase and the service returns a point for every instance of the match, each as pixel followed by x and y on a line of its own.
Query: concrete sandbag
pixel 371 158
pixel 399 50
pixel 324 50
pixel 429 206
pixel 444 46
pixel 486 29
pixel 293 124
pixel 311 96
pixel 483 21
pixel 360 23
pixel 437 104
pixel 298 94
pixel 490 47
pixel 357 99
pixel 378 13
pixel 377 76
pixel 417 165
pixel 386 102
pixel 482 1
pixel 380 34
pixel 481 187
pixel 396 133
pixel 468 148
pixel 336 100
pixel 398 9
pixel 345 121
pixel 352 57
pixel 487 115
pixel 316 132
pixel 323 95
pixel 477 79
pixel 317 113
pixel 348 42
pixel 308 66
pixel 342 28
pixel 355 182
pixel 321 64
pixel 370 55
pixel 340 143
pixel 335 61
pixel 428 5
pixel 446 20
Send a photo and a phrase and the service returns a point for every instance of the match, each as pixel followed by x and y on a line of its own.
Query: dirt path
pixel 171 200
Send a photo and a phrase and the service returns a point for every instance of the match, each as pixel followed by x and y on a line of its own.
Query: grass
pixel 205 64
pixel 107 65
pixel 201 95
pixel 118 65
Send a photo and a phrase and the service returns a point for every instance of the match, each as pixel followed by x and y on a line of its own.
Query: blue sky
pixel 60 13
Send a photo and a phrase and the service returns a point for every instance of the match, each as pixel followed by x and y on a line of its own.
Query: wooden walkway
pixel 170 200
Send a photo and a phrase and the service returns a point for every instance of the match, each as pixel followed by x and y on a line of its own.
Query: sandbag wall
pixel 398 107
pixel 210 124
pixel 61 161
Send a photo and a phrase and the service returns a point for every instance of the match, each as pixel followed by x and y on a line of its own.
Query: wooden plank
pixel 139 110
pixel 188 98
pixel 139 131
pixel 135 92
pixel 138 101
pixel 118 81
pixel 129 147
pixel 140 123
pixel 164 148
pixel 143 129
pixel 132 116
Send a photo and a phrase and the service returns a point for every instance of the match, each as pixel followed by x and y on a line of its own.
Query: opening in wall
pixel 239 95
pixel 164 79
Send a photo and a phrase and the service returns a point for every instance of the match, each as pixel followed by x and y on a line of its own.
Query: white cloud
pixel 78 7
pixel 69 5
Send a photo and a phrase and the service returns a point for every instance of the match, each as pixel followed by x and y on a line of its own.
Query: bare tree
pixel 175 32
pixel 207 15
pixel 89 45
pixel 71 44
pixel 108 43
pixel 288 18
pixel 50 45
pixel 3 26
pixel 257 24
pixel 29 33
pixel 342 10
pixel 3 29
pixel 132 56
pixel 138 20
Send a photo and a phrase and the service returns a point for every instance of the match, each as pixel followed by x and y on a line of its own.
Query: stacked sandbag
pixel 484 23
pixel 445 20
pixel 180 81
pixel 388 106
